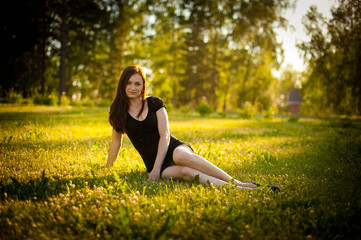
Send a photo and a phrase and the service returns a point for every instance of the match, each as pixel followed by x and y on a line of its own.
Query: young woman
pixel 145 121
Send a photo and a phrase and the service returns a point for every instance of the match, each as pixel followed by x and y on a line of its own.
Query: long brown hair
pixel 119 108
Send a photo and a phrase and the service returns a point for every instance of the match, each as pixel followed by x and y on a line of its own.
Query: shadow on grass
pixel 45 186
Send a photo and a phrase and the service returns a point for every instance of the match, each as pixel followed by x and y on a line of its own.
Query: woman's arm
pixel 163 128
pixel 115 145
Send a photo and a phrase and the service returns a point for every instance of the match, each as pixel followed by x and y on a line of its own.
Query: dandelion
pixel 75 208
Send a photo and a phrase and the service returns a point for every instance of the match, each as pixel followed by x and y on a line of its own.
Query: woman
pixel 145 121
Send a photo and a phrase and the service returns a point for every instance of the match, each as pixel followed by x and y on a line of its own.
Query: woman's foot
pixel 248 184
pixel 256 185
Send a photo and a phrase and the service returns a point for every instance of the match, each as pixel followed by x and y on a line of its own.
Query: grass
pixel 53 184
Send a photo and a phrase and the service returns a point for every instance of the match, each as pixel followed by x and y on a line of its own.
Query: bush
pixel 271 112
pixel 64 101
pixel 104 103
pixel 76 102
pixel 38 99
pixel 203 108
pixel 28 101
pixel 185 109
pixel 51 100
pixel 294 118
pixel 248 111
pixel 88 102
pixel 14 97
pixel 222 114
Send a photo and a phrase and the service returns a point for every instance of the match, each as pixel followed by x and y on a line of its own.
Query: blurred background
pixel 222 56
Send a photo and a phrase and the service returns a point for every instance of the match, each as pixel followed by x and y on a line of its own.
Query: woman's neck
pixel 135 102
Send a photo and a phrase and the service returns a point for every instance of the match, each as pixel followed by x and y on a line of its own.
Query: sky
pixel 291 38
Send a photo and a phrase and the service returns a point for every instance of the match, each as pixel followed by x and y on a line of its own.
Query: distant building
pixel 294 101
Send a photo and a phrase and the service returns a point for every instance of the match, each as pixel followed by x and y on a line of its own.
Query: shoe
pixel 274 188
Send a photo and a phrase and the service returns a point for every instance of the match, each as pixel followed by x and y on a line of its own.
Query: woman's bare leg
pixel 187 173
pixel 183 156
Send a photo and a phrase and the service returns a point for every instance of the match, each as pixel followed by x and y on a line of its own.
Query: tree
pixel 334 58
pixel 20 51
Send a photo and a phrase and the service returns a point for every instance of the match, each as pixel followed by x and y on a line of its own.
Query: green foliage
pixel 271 112
pixel 185 109
pixel 14 97
pixel 203 108
pixel 27 101
pixel 88 102
pixel 104 103
pixel 76 102
pixel 53 184
pixel 51 100
pixel 64 101
pixel 248 111
pixel 293 118
pixel 334 58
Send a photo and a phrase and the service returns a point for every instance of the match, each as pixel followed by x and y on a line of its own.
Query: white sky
pixel 290 38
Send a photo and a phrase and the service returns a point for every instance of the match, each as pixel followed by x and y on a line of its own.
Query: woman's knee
pixel 182 157
pixel 188 172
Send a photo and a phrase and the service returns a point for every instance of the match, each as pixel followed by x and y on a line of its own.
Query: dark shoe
pixel 274 188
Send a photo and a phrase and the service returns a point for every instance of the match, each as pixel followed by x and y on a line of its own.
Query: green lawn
pixel 53 184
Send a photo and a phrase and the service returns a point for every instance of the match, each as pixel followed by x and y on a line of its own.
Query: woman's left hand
pixel 154 175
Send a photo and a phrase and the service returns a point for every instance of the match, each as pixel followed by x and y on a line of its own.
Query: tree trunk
pixel 359 104
pixel 225 97
pixel 245 79
pixel 43 50
pixel 63 40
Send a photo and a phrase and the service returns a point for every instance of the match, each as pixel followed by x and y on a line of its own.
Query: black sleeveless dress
pixel 144 136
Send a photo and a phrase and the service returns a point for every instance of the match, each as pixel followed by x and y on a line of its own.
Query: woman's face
pixel 134 86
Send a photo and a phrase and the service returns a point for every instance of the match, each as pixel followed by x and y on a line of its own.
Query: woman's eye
pixel 138 84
